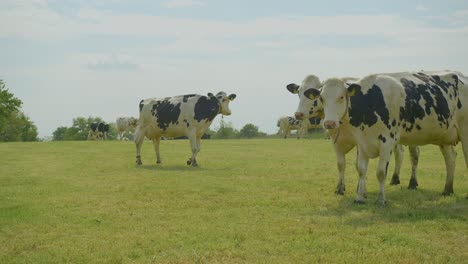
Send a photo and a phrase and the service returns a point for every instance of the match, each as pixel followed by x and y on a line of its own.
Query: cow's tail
pixel 278 123
pixel 141 105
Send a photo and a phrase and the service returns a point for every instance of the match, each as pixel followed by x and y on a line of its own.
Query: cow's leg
pixel 362 162
pixel 139 137
pixel 193 146
pixel 156 142
pixel 449 155
pixel 414 153
pixel 398 161
pixel 341 164
pixel 382 170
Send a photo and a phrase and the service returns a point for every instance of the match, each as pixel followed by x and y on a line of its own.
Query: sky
pixel 69 58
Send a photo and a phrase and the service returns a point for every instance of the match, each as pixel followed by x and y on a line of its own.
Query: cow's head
pixel 335 97
pixel 224 101
pixel 133 121
pixel 309 103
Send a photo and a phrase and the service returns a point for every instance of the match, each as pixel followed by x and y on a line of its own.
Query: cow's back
pixel 175 116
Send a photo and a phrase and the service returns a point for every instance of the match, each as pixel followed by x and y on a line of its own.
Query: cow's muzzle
pixel 328 124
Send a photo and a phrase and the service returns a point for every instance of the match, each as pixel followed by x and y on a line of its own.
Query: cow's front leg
pixel 156 142
pixel 449 155
pixel 341 164
pixel 382 170
pixel 398 161
pixel 362 162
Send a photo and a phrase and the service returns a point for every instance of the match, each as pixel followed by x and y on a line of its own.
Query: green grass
pixel 260 200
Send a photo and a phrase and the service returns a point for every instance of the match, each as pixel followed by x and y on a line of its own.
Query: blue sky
pixel 67 58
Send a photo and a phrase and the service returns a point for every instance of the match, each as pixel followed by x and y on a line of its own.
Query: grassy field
pixel 261 200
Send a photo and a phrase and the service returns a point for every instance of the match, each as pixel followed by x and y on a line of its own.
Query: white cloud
pixel 182 3
pixel 421 8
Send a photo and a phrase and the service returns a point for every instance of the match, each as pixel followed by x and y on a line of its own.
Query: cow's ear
pixel 353 89
pixel 210 95
pixel 232 97
pixel 293 88
pixel 312 93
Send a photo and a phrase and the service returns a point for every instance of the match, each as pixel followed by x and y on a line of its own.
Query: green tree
pixel 226 131
pixel 59 134
pixel 249 131
pixel 14 124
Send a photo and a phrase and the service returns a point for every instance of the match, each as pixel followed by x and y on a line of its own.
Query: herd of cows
pixel 377 114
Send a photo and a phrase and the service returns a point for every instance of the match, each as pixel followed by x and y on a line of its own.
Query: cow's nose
pixel 328 124
pixel 299 115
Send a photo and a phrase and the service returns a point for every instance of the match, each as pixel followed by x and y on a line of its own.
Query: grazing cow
pixel 288 123
pixel 185 115
pixel 342 144
pixel 125 124
pixel 413 109
pixel 98 131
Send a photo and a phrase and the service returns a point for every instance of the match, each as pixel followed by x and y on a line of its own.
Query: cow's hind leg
pixel 414 153
pixel 139 137
pixel 194 147
pixel 449 155
pixel 398 161
pixel 362 163
pixel 156 142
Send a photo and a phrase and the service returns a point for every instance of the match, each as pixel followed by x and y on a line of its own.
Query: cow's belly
pixel 432 136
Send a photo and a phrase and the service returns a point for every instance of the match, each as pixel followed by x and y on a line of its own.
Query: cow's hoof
pixel 138 162
pixel 194 164
pixel 381 203
pixel 339 192
pixel 158 162
pixel 447 193
pixel 189 162
pixel 395 180
pixel 413 184
pixel 356 201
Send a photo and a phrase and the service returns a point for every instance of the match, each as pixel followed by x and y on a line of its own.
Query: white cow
pixel 412 108
pixel 125 124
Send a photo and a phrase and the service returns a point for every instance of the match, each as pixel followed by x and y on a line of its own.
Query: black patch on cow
pixel 394 122
pixel 186 122
pixel 418 127
pixel 386 167
pixel 94 126
pixel 392 135
pixel 382 138
pixel 141 105
pixel 186 97
pixel 434 91
pixel 315 103
pixel 166 113
pixel 206 108
pixel 365 109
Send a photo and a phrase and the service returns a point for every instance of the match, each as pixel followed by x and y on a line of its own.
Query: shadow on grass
pixel 402 206
pixel 160 167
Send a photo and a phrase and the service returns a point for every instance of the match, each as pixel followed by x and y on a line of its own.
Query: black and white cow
pixel 288 123
pixel 410 108
pixel 343 144
pixel 98 131
pixel 125 124
pixel 184 115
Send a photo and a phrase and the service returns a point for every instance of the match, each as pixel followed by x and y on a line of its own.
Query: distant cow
pixel 98 131
pixel 184 115
pixel 410 108
pixel 125 124
pixel 288 123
